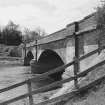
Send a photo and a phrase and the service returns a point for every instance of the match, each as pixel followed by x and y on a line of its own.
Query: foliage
pixel 100 16
pixel 11 35
pixel 14 52
pixel 30 35
pixel 1 37
pixel 33 35
pixel 100 20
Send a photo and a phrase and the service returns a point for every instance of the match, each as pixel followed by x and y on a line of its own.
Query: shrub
pixel 14 53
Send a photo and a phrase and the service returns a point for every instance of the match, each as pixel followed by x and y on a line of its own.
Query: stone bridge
pixel 58 48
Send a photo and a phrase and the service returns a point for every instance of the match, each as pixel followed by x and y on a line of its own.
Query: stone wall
pixel 58 46
pixel 62 41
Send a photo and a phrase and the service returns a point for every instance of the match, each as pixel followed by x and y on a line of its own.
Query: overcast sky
pixel 51 15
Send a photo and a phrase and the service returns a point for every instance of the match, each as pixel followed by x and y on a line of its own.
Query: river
pixel 9 75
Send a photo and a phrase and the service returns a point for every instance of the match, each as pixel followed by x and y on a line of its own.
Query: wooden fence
pixel 77 75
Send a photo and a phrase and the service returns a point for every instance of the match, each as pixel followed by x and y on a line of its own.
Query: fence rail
pixel 73 93
pixel 37 78
pixel 77 74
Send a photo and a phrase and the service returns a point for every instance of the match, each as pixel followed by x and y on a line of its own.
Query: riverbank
pixel 8 61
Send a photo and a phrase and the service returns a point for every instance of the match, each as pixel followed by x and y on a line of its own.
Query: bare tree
pixel 40 31
pixel 31 35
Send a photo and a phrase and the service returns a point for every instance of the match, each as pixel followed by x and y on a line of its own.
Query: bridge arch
pixel 49 60
pixel 28 58
pixel 30 55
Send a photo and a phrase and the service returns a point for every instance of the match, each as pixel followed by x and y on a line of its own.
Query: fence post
pixel 24 48
pixel 76 61
pixel 25 53
pixel 36 50
pixel 76 69
pixel 29 91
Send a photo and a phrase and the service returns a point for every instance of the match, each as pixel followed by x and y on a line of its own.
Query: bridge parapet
pixel 62 42
pixel 86 24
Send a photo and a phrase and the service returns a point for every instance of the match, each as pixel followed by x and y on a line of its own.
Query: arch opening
pixel 28 58
pixel 49 60
pixel 30 55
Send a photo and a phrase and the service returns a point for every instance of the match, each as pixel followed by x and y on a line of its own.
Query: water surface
pixel 10 75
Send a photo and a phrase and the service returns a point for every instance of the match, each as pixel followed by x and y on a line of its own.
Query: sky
pixel 51 15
